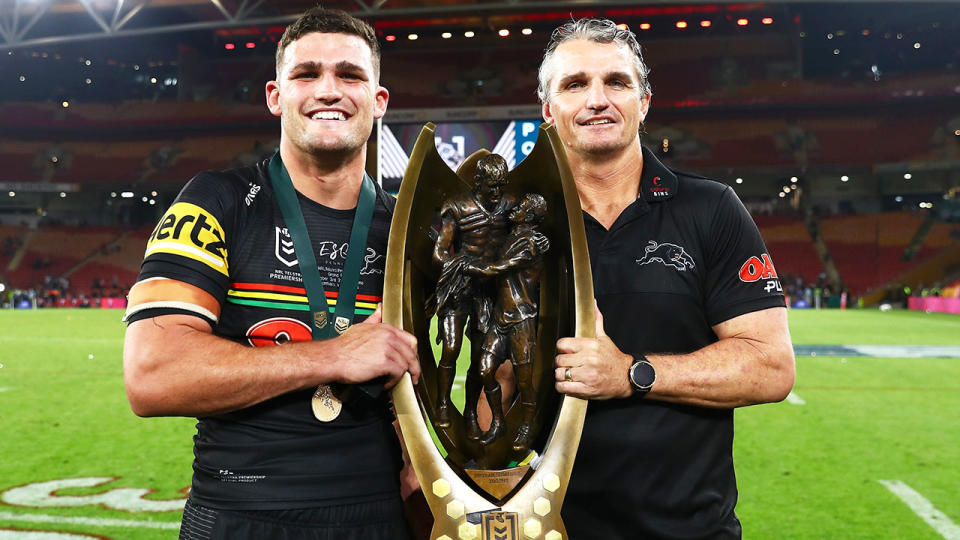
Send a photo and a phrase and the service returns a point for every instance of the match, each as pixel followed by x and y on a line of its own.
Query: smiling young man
pixel 693 322
pixel 293 441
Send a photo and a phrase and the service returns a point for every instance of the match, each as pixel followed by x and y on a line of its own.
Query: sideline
pixel 923 508
pixel 96 522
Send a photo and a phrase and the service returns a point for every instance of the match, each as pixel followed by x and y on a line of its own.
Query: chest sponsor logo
pixel 666 254
pixel 326 251
pixel 283 247
pixel 761 268
pixel 189 231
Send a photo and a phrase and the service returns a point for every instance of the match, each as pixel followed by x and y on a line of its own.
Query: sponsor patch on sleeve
pixel 761 268
pixel 189 231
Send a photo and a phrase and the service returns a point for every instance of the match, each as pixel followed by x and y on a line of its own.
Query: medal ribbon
pixel 297 227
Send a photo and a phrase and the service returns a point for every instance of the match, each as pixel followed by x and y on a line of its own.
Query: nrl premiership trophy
pixel 499 260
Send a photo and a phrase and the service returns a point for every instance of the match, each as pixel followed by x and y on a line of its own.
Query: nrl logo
pixel 667 255
pixel 320 319
pixel 283 247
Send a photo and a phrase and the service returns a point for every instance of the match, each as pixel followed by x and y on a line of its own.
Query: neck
pixel 331 179
pixel 607 184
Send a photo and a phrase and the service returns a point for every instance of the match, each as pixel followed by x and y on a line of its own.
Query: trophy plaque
pixel 499 260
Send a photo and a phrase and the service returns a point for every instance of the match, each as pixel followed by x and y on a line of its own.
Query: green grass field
pixel 805 471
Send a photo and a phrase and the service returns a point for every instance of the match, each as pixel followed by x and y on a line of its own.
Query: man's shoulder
pixel 699 186
pixel 242 183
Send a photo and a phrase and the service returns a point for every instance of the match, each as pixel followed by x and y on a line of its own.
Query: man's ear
pixel 273 97
pixel 380 102
pixel 545 110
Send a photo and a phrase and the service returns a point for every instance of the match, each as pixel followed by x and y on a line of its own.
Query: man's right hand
pixel 373 349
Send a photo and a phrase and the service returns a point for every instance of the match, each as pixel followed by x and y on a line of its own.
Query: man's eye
pixel 351 76
pixel 305 75
pixel 574 85
pixel 618 84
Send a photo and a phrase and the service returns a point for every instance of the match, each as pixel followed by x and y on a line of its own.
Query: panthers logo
pixel 668 255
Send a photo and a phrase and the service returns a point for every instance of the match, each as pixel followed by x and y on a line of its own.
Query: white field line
pixel 96 522
pixel 795 399
pixel 923 508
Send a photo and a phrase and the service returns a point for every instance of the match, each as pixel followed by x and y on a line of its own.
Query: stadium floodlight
pixel 681 24
pixel 907 176
pixel 88 80
pixel 153 193
pixel 622 26
pixel 844 178
pixel 22 78
pixel 412 37
pixel 63 195
pixel 898 198
pixel 391 37
pixel 782 194
pixel 227 46
pixel 645 26
pixel 916 45
pixel 739 180
pixel 144 199
pixel 705 23
pixel 469 34
pixel 113 194
pixel 767 20
pixel 504 32
pixel 742 22
pixel 126 194
pixel 527 31
pixel 446 35
pixel 12 194
pixel 793 179
pixel 64 104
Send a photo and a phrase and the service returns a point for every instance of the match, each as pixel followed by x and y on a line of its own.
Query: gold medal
pixel 326 406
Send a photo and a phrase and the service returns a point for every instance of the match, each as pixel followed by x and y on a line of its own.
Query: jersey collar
pixel 657 183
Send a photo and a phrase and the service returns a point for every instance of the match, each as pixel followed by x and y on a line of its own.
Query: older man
pixel 693 322
pixel 232 270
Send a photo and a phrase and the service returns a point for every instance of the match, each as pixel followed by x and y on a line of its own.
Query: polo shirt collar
pixel 657 183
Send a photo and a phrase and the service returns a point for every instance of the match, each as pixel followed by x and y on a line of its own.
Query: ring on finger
pixel 567 375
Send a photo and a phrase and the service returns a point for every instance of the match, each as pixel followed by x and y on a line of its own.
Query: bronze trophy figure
pixel 473 224
pixel 498 258
pixel 513 329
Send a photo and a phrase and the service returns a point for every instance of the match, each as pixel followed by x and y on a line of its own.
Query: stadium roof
pixel 49 22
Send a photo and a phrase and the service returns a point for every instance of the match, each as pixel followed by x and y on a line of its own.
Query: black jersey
pixel 225 236
pixel 682 258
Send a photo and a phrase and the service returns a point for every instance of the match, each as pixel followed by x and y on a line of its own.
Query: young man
pixel 228 274
pixel 693 321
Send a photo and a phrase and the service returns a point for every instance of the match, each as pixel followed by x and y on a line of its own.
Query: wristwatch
pixel 641 375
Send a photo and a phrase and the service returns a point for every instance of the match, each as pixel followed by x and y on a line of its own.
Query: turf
pixel 805 471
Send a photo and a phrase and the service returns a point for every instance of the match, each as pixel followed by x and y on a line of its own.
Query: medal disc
pixel 326 406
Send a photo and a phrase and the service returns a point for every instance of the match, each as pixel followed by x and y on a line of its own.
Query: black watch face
pixel 642 376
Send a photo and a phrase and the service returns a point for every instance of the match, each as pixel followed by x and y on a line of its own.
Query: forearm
pixel 174 369
pixel 732 372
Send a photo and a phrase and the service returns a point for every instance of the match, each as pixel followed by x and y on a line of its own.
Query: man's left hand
pixel 592 368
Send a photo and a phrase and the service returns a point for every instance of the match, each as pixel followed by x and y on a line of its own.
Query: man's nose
pixel 327 90
pixel 597 96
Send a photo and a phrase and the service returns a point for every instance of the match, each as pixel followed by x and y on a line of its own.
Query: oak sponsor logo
pixel 758 268
pixel 189 231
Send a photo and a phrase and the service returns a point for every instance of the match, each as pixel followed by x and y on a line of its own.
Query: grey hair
pixel 598 31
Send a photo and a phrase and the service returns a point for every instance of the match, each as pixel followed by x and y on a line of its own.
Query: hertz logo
pixel 190 231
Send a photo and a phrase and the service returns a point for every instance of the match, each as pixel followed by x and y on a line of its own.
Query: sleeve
pixel 740 274
pixel 185 267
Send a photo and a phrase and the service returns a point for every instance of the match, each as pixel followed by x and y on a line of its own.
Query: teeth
pixel 597 122
pixel 328 115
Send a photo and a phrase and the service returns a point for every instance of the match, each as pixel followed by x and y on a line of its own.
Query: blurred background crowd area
pixel 838 124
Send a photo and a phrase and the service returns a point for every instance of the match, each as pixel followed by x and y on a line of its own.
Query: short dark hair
pixel 492 165
pixel 330 21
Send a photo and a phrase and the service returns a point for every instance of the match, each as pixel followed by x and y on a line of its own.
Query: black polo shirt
pixel 683 257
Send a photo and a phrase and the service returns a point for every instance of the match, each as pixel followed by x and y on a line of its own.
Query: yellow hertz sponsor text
pixel 190 231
